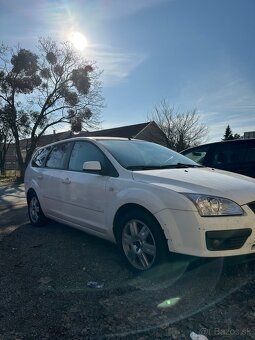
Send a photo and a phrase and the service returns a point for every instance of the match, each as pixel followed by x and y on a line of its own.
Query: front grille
pixel 252 206
pixel 226 239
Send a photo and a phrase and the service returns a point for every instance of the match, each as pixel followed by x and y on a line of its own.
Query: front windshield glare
pixel 141 155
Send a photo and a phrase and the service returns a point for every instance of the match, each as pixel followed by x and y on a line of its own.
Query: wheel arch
pixel 128 207
pixel 30 193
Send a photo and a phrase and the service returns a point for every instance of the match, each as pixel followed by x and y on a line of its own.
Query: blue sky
pixel 194 53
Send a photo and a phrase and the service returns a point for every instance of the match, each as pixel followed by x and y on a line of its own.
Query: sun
pixel 78 40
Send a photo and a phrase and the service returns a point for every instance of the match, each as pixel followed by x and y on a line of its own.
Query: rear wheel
pixel 35 212
pixel 141 240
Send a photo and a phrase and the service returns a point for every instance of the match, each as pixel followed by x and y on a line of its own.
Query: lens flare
pixel 169 302
pixel 78 40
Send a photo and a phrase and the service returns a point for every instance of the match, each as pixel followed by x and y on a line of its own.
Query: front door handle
pixel 66 180
pixel 39 176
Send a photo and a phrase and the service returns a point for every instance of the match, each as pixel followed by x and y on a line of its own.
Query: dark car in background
pixel 233 155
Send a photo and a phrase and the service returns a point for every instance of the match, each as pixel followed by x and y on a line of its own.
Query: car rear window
pixel 40 157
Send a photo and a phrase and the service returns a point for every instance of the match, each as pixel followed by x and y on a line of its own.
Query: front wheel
pixel 35 212
pixel 141 240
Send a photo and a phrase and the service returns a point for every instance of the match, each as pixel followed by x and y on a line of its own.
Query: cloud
pixel 222 96
pixel 116 8
pixel 218 122
pixel 232 103
pixel 235 95
pixel 117 63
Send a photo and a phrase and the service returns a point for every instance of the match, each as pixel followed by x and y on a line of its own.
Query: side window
pixel 40 156
pixel 85 152
pixel 250 151
pixel 59 156
pixel 198 154
pixel 229 153
pixel 250 155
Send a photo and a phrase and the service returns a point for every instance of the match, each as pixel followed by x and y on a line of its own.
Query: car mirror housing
pixel 92 166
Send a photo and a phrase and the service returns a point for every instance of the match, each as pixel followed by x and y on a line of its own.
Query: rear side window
pixel 229 153
pixel 40 156
pixel 59 156
pixel 250 155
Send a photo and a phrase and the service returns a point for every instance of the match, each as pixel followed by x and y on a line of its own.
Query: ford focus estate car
pixel 146 198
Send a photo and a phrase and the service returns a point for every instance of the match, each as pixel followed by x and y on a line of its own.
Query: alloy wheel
pixel 34 209
pixel 139 244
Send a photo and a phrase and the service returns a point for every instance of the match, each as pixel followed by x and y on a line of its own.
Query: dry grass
pixel 7 180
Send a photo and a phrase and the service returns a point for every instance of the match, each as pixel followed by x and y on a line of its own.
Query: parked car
pixel 147 198
pixel 233 155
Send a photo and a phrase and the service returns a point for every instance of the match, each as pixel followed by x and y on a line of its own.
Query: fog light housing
pixel 226 239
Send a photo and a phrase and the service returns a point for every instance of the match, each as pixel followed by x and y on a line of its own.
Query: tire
pixel 141 241
pixel 35 213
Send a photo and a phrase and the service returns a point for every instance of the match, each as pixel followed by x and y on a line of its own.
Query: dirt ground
pixel 46 290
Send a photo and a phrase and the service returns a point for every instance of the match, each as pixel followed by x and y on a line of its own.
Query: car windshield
pixel 141 155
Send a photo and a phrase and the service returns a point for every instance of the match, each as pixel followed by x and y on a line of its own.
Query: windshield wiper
pixel 187 165
pixel 142 167
pixel 169 166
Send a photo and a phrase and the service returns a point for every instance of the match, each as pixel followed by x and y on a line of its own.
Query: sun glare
pixel 79 40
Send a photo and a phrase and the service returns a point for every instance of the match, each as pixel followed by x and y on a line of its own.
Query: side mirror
pixel 92 166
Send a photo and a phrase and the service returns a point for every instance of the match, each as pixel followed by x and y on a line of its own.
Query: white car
pixel 148 199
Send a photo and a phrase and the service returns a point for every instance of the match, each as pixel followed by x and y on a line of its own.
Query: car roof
pixel 96 138
pixel 243 140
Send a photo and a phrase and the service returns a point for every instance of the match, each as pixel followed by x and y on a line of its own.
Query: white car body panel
pixel 203 181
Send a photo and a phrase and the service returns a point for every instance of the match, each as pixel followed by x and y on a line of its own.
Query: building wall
pixel 250 134
pixel 11 158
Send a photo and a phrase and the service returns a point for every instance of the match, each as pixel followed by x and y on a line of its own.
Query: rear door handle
pixel 39 176
pixel 66 181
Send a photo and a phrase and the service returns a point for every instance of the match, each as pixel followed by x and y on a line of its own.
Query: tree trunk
pixel 2 168
pixel 3 152
pixel 30 151
pixel 19 154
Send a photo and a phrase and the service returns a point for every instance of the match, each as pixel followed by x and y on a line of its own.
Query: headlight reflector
pixel 215 206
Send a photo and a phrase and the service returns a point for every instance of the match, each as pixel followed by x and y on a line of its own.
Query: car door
pixel 36 177
pixel 85 194
pixel 54 179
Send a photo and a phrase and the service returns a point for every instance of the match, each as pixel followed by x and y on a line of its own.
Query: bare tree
pixel 181 130
pixel 39 90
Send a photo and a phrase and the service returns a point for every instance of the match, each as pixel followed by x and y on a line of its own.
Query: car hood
pixel 238 188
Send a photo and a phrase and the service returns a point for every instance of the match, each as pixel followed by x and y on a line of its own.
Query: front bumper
pixel 189 233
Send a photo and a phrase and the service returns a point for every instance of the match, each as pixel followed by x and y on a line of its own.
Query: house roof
pixel 47 139
pixel 55 137
pixel 129 131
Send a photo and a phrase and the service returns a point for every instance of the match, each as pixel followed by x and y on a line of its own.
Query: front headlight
pixel 214 206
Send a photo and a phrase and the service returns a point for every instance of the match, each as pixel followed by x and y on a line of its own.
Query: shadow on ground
pixel 12 197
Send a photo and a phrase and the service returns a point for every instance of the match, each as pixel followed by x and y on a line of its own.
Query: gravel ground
pixel 44 291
